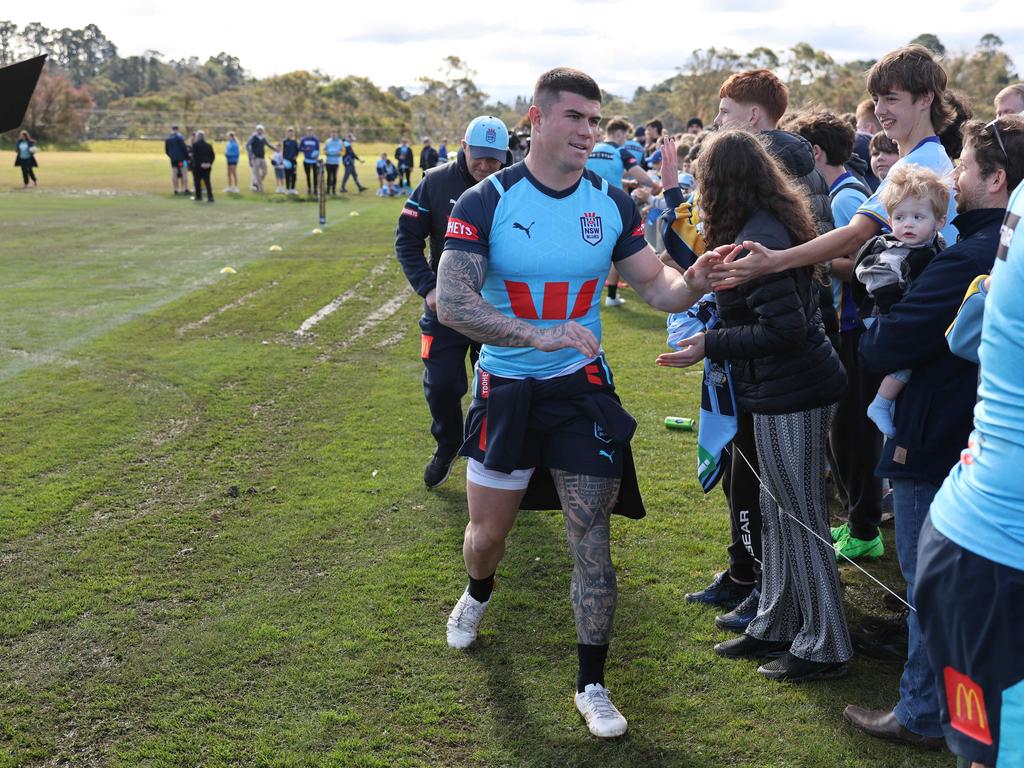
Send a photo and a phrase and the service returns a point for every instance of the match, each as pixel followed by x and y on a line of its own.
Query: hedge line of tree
pixel 89 91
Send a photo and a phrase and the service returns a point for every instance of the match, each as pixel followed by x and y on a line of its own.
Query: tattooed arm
pixel 460 276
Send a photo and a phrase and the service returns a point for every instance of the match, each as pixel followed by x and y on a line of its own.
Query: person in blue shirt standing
pixel 332 153
pixel 404 160
pixel 524 255
pixel 290 153
pixel 442 152
pixel 611 161
pixel 970 563
pixel 348 159
pixel 310 148
pixel 231 154
pixel 26 158
pixel 176 149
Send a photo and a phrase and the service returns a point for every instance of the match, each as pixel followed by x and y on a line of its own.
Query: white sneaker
pixel 618 301
pixel 603 719
pixel 464 621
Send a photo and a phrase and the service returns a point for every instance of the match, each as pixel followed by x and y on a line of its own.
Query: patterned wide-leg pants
pixel 801 599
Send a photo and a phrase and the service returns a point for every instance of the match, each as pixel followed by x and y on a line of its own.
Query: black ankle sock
pixel 480 589
pixel 612 290
pixel 591 665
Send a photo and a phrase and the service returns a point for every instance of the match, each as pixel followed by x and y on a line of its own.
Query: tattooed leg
pixel 587 504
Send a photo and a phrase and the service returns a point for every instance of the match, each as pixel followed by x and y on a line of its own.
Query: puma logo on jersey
pixel 609 456
pixel 517 225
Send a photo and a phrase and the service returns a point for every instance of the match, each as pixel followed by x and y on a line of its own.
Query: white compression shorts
pixel 518 480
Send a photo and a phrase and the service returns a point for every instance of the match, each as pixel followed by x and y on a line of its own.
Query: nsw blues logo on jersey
pixel 590 227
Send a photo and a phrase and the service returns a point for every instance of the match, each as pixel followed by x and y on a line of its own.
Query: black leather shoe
pixel 882 724
pixel 438 469
pixel 747 647
pixel 739 617
pixel 722 591
pixel 793 669
pixel 882 639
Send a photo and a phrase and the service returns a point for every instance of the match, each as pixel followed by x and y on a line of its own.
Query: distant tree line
pixel 89 91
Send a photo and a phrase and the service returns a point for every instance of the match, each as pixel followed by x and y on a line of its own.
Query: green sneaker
pixel 840 532
pixel 854 548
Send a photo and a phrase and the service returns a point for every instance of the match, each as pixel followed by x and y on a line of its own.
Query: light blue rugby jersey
pixel 981 504
pixel 635 148
pixel 610 162
pixel 929 153
pixel 548 254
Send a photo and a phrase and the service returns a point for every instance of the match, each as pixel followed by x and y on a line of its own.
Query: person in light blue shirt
pixel 309 145
pixel 333 148
pixel 232 151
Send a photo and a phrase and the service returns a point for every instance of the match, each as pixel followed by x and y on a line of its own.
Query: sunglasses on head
pixel 994 125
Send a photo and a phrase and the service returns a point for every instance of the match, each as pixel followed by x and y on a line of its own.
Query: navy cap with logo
pixel 488 137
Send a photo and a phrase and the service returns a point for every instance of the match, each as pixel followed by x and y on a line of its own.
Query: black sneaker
pixel 722 591
pixel 739 617
pixel 882 639
pixel 747 647
pixel 793 669
pixel 438 469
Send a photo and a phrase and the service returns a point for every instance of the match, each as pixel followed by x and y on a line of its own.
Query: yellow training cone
pixel 354 213
pixel 275 247
pixel 228 271
pixel 318 231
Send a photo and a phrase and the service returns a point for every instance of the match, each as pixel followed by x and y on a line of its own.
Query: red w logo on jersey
pixel 639 231
pixel 462 230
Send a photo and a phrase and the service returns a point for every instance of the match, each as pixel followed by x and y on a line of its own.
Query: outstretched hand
pixel 692 352
pixel 669 163
pixel 733 271
pixel 569 335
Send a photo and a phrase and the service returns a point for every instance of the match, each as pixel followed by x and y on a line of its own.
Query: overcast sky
pixel 621 44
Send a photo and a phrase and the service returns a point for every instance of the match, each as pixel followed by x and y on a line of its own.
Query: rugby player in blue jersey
pixel 525 252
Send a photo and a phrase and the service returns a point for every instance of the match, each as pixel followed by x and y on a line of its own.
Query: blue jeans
pixel 918 707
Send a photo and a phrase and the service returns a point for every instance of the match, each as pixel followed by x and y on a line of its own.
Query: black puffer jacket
pixel 797 156
pixel 771 330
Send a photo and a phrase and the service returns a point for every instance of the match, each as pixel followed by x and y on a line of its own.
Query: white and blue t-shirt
pixel 846 202
pixel 610 162
pixel 332 151
pixel 548 253
pixel 929 153
pixel 980 506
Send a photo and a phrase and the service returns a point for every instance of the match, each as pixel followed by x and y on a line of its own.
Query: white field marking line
pixel 828 544
pixel 379 315
pixel 331 307
pixel 232 305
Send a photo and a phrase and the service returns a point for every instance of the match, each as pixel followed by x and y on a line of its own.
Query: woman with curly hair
pixel 788 375
pixel 26 158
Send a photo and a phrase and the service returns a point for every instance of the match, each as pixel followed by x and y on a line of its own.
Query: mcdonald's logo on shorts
pixel 966 702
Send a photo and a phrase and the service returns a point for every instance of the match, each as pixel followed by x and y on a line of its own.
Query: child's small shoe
pixel 882 411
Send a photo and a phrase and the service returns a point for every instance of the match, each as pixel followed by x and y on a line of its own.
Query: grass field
pixel 215 546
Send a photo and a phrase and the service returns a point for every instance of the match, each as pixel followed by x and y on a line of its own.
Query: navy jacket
pixel 934 413
pixel 175 148
pixel 425 214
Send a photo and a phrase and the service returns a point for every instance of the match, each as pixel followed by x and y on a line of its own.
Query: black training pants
pixel 443 352
pixel 202 176
pixel 332 178
pixel 311 167
pixel 743 493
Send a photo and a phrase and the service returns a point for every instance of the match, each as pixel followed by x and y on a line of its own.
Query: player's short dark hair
pixel 619 123
pixel 695 121
pixel 560 79
pixel 882 144
pixel 833 134
pixel 951 136
pixel 758 86
pixel 913 68
pixel 987 152
pixel 657 125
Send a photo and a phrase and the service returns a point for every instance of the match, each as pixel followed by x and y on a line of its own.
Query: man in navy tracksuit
pixel 404 159
pixel 177 151
pixel 425 214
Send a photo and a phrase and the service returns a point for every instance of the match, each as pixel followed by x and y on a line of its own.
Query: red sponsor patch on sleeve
pixel 462 230
pixel 639 231
pixel 410 212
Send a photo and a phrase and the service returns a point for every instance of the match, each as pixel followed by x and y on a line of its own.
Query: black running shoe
pixel 722 591
pixel 748 647
pixel 793 669
pixel 739 617
pixel 438 469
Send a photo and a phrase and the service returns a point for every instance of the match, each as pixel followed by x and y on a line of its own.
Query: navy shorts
pixel 969 608
pixel 561 432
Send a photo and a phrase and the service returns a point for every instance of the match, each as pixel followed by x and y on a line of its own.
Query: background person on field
pixel 177 151
pixel 256 149
pixel 1010 100
pixel 424 216
pixel 787 375
pixel 333 148
pixel 428 157
pixel 933 413
pixel 348 160
pixel 442 151
pixel 290 152
pixel 867 126
pixel 404 161
pixel 202 163
pixel 277 161
pixel 232 151
pixel 25 158
pixel 884 154
pixel 309 146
